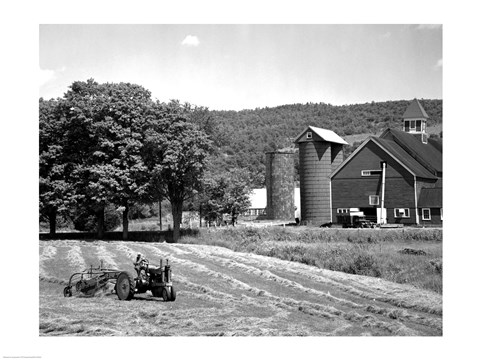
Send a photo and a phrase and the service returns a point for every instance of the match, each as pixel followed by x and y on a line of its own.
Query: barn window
pixel 402 213
pixel 412 125
pixel 419 125
pixel 342 211
pixel 426 214
pixel 373 200
pixel 371 172
pixel 309 135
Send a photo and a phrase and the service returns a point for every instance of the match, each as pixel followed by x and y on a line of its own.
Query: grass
pixel 220 292
pixel 375 253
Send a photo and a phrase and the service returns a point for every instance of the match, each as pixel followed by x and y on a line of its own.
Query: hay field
pixel 225 293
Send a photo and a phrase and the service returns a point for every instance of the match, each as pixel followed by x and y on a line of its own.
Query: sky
pixel 234 67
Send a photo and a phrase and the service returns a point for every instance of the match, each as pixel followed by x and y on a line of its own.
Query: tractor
pixel 157 280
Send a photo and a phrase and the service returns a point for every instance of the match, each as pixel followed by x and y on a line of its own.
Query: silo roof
pixel 326 135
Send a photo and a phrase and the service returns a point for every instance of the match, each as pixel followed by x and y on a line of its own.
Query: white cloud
pixel 386 35
pixel 191 40
pixel 429 26
pixel 47 75
pixel 439 64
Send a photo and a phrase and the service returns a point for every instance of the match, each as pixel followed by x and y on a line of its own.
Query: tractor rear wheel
pixel 125 286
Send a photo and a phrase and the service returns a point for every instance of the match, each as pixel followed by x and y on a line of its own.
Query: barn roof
pixel 258 199
pixel 397 152
pixel 428 155
pixel 403 157
pixel 430 198
pixel 324 134
pixel 415 110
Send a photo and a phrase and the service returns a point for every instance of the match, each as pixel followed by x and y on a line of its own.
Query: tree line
pixel 106 148
pixel 110 144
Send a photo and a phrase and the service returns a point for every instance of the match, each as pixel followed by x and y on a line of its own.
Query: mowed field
pixel 225 293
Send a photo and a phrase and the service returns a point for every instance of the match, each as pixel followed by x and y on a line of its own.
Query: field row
pixel 221 292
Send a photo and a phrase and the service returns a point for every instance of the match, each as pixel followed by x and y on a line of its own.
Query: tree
pixel 211 198
pixel 236 199
pixel 54 190
pixel 225 193
pixel 105 130
pixel 175 152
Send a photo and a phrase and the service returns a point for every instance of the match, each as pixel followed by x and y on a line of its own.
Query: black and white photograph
pixel 277 184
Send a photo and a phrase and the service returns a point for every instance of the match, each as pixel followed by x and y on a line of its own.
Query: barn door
pixel 379 215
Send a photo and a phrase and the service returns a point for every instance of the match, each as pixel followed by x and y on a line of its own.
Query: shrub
pixel 365 264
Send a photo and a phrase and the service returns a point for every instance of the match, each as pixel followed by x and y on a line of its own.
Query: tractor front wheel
pixel 125 286
pixel 166 294
pixel 67 292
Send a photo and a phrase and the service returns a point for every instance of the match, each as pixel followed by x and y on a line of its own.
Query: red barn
pixel 393 178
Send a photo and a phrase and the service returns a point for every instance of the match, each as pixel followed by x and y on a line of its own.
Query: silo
pixel 279 178
pixel 320 151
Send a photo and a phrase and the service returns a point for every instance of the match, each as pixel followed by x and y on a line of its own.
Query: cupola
pixel 415 120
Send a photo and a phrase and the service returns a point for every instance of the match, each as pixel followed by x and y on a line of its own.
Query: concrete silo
pixel 279 178
pixel 320 153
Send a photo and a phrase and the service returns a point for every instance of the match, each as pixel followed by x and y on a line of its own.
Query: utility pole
pixel 383 219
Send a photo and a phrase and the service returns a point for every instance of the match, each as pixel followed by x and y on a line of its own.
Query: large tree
pixel 105 130
pixel 175 152
pixel 55 190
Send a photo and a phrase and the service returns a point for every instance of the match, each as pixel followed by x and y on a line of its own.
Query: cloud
pixel 386 35
pixel 439 64
pixel 191 40
pixel 47 75
pixel 429 26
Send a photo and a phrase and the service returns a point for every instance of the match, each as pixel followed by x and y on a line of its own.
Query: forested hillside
pixel 246 135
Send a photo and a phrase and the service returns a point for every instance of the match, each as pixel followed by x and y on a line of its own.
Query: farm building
pixel 280 182
pixel 393 178
pixel 320 152
pixel 258 207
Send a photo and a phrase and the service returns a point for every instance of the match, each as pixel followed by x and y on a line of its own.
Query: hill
pixel 247 134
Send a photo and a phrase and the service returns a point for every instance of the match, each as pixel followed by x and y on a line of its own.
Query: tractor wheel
pixel 125 286
pixel 173 294
pixel 166 294
pixel 67 292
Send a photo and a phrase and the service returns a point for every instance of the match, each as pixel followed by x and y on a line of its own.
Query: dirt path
pixel 221 292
